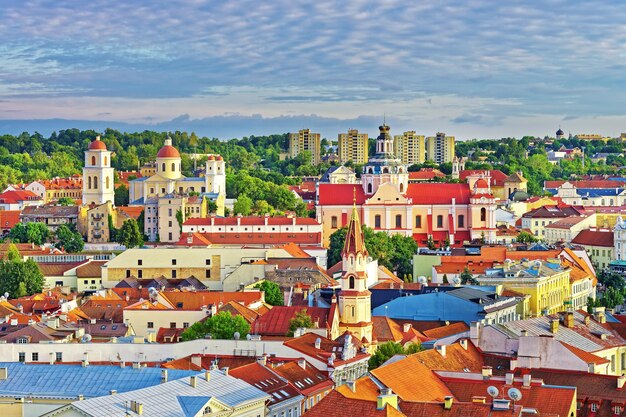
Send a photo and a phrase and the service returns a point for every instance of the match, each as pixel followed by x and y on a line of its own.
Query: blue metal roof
pixel 64 381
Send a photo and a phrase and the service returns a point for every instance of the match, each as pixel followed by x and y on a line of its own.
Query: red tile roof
pixel 340 194
pixel 57 269
pixel 168 151
pixel 306 378
pixel 250 221
pixel 266 380
pixel 306 345
pixel 436 409
pixel 590 237
pixel 130 211
pixel 16 196
pixel 497 177
pixel 9 218
pixel 438 193
pixel 250 238
pixel 336 405
pixel 194 300
pixel 276 321
pixel 91 269
pixel 585 184
pixel 426 174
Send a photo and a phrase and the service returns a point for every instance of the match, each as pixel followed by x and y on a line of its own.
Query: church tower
pixel 168 162
pixel 98 185
pixel 384 167
pixel 215 174
pixel 355 311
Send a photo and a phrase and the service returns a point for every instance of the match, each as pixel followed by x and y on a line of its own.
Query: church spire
pixel 354 243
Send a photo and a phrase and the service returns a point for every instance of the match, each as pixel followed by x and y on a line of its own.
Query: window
pixel 107 182
pixel 150 325
pixel 169 212
pixel 169 235
pixel 208 273
pixel 89 180
pixel 418 222
pixel 185 325
pixel 483 214
pixel 439 221
pixel 377 221
pixel 398 221
pixel 128 273
pixel 35 356
pixel 208 262
pixel 105 161
pixel 95 182
pixel 173 167
pixel 139 273
pixel 172 325
pixel 140 262
pixel 351 282
pixel 461 221
pixel 369 188
pixel 59 357
pixel 22 356
pixel 333 222
pixel 173 273
pixel 594 407
pixel 169 223
pixel 163 167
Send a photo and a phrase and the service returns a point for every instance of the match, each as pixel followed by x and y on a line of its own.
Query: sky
pixel 472 69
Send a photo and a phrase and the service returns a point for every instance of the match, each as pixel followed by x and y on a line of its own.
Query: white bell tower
pixel 98 175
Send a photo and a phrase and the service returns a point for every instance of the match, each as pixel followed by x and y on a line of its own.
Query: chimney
pixel 463 343
pixel 524 333
pixel 136 365
pixel 587 320
pixel 475 330
pixel 351 385
pixel 13 322
pixel 136 407
pixel 620 381
pixel 192 381
pixel 527 380
pixel 501 404
pixel 447 402
pixel 487 372
pixel 386 397
pixel 262 360
pixel 599 314
pixel 225 370
pixel 207 375
pixel 554 325
pixel 508 378
pixel 441 349
pixel 406 327
pixel 163 375
pixel 479 400
pixel 81 397
pixel 122 364
pixel 302 363
pixel 85 360
pixel 569 320
pixel 51 358
pixel 4 373
pixel 113 392
pixel 196 360
pixel 318 343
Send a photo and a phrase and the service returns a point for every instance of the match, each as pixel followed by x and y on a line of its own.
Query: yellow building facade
pixel 353 146
pixel 410 148
pixel 440 148
pixel 305 140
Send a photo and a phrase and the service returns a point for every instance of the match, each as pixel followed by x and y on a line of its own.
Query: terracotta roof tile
pixel 438 193
pixel 590 237
pixel 276 321
pixel 447 330
pixel 336 405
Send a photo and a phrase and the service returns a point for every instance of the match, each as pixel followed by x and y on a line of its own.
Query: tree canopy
pixel 273 295
pixel 17 277
pixel 69 239
pixel 129 234
pixel 32 232
pixel 300 320
pixel 223 325
pixel 389 349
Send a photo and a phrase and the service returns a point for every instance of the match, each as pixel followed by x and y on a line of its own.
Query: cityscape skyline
pixel 481 69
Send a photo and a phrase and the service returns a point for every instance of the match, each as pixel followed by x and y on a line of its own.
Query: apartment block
pixel 353 147
pixel 440 148
pixel 305 140
pixel 410 148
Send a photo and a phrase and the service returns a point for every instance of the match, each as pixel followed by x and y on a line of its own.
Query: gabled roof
pixel 589 237
pixel 194 300
pixel 496 176
pixel 336 405
pixel 92 269
pixel 276 321
pixel 9 218
pixel 387 329
pixel 267 381
pixel 438 193
pixel 306 378
pixel 16 196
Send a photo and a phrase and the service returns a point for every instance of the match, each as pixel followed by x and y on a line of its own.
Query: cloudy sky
pixel 232 68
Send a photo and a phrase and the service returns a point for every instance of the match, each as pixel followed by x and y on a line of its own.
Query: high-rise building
pixel 305 140
pixel 353 147
pixel 440 148
pixel 410 148
pixel 98 174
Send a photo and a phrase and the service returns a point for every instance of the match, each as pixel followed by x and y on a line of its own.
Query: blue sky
pixel 233 68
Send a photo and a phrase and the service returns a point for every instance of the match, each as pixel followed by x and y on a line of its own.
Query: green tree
pixel 467 278
pixel 431 243
pixel 179 219
pixel 273 295
pixel 389 349
pixel 262 207
pixel 211 206
pixel 129 235
pixel 65 201
pixel 121 195
pixel 300 320
pixel 223 325
pixel 69 239
pixel 20 278
pixel 243 205
pixel 525 237
pixel 36 233
pixel 17 234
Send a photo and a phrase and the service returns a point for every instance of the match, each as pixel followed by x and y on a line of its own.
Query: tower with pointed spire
pixel 355 311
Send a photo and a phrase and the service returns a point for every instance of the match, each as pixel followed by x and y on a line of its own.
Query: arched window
pixel 483 214
pixel 377 219
pixel 369 188
pixel 93 160
pixel 398 221
pixel 89 178
pixel 173 167
pixel 385 170
pixel 105 161
pixel 95 182
pixel 163 167
pixel 351 282
pixel 401 187
pixel 107 183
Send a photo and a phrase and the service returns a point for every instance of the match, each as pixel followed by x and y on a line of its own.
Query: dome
pixel 168 151
pixel 481 183
pixel 559 132
pixel 211 158
pixel 219 158
pixel 97 145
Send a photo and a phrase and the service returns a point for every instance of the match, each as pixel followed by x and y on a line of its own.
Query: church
pixel 386 201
